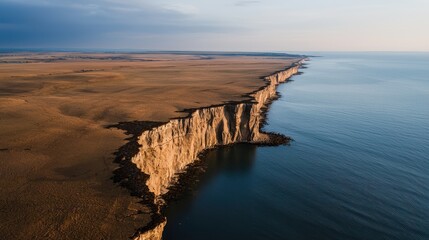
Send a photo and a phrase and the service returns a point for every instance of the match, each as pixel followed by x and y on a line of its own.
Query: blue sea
pixel 358 167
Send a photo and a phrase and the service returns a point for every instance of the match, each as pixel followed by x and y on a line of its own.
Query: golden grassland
pixel 56 154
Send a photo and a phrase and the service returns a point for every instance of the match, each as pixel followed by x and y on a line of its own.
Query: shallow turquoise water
pixel 358 168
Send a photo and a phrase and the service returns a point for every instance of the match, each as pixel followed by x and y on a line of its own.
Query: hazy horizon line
pixel 141 50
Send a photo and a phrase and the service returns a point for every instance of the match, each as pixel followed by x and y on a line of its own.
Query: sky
pixel 217 25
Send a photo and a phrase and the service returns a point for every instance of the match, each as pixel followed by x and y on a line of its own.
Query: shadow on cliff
pixel 129 176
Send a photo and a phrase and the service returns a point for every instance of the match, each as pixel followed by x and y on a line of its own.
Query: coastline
pixel 341 156
pixel 57 152
pixel 135 179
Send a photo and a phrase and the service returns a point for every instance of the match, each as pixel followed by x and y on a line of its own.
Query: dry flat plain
pixel 56 154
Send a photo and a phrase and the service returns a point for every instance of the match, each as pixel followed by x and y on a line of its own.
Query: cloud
pixel 246 3
pixel 185 9
pixel 100 22
pixel 215 25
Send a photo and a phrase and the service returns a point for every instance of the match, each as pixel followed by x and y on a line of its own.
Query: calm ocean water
pixel 358 168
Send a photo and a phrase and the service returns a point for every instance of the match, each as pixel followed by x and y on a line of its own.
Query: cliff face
pixel 167 149
pixel 153 234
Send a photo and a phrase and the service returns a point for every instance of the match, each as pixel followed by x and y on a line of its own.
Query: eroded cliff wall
pixel 167 149
pixel 153 234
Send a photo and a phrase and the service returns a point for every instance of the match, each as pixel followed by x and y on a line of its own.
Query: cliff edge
pixel 158 153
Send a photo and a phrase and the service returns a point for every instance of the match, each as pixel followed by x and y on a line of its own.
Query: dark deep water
pixel 358 168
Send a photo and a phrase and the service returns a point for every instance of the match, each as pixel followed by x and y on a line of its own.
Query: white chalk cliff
pixel 166 150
